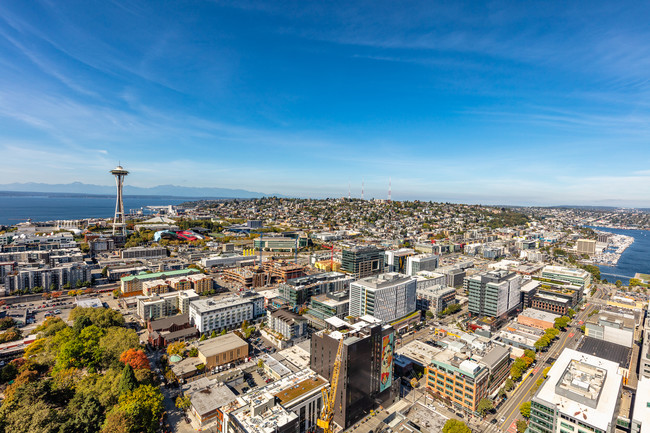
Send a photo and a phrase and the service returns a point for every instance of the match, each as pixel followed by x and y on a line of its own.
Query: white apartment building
pixel 226 313
pixel 144 253
pixel 45 277
pixel 386 296
pixel 165 304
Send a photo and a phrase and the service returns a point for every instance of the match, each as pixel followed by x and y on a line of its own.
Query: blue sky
pixel 502 102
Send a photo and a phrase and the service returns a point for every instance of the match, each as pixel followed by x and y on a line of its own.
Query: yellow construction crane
pixel 327 413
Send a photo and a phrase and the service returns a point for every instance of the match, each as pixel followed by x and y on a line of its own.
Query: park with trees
pixel 90 377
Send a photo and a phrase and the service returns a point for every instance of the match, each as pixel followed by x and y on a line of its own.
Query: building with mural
pixel 366 377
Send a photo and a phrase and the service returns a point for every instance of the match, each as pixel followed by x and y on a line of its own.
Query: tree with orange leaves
pixel 136 358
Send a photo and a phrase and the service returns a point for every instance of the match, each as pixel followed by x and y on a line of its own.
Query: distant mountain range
pixel 160 190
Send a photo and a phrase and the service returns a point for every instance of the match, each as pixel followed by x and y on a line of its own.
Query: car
pixel 494 421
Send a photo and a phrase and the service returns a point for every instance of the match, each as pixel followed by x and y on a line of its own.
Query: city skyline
pixel 503 103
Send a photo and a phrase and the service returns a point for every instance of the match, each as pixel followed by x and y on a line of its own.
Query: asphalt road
pixel 523 392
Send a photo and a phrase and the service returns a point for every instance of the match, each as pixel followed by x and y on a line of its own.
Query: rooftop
pixel 607 350
pixel 154 275
pixel 205 305
pixel 583 387
pixel 208 394
pixel 641 411
pixel 383 280
pixel 220 344
pixel 539 315
pixel 530 286
pixel 419 352
pixel 295 391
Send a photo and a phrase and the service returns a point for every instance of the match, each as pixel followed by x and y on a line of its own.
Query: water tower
pixel 119 225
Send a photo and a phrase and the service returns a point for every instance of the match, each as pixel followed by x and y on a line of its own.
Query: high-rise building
pixel 396 260
pixel 299 291
pixel 366 376
pixel 386 297
pixel 422 262
pixel 493 293
pixel 580 394
pixel 362 261
pixel 119 224
pixel 586 246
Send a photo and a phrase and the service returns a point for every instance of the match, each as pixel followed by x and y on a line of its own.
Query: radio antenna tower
pixel 349 191
pixel 362 189
pixel 119 225
pixel 389 193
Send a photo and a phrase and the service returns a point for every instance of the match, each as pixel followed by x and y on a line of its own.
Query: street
pixel 523 393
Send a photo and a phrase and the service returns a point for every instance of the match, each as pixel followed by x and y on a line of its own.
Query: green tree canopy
pixel 562 322
pixel 524 409
pixel 484 406
pixel 128 382
pixel 455 426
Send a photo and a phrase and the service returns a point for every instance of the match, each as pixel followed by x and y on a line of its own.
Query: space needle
pixel 119 225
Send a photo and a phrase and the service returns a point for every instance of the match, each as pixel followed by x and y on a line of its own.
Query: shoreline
pixel 618 242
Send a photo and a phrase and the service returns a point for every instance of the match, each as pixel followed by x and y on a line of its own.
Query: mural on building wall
pixel 386 362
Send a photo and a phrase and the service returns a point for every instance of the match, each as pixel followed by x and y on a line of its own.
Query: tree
pixel 223 331
pixel 6 323
pixel 105 271
pixel 81 322
pixel 86 415
pixel 571 313
pixel 455 426
pixel 524 409
pixel 117 422
pixel 529 354
pixel 203 337
pixel 542 343
pixel 429 314
pixel 521 426
pixel 509 384
pixel 193 352
pixel 260 364
pixel 183 402
pixel 136 358
pixel 484 406
pixel 102 317
pixel 117 341
pixel 143 406
pixel 551 333
pixel 213 334
pixel 177 348
pixel 618 283
pixel 561 322
pixel 11 334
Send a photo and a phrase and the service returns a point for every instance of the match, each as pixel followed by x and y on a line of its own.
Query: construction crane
pixel 332 249
pixel 329 398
